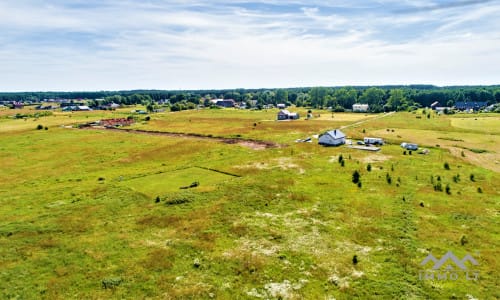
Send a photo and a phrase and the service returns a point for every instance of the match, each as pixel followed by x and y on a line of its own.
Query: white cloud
pixel 189 44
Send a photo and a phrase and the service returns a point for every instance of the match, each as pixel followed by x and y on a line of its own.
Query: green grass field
pixel 80 219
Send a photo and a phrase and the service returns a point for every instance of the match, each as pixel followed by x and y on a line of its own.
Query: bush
pixel 479 190
pixel 446 166
pixel 456 178
pixel 148 118
pixel 472 177
pixel 39 127
pixel 388 178
pixel 448 189
pixel 355 260
pixel 438 187
pixel 356 176
pixel 359 184
pixel 341 158
pixel 369 167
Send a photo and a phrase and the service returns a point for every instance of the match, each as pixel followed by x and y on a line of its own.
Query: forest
pixel 380 98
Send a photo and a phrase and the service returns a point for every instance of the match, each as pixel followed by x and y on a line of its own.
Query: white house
pixel 360 107
pixel 281 106
pixel 332 138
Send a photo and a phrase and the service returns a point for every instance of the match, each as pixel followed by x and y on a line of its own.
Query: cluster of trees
pixel 379 98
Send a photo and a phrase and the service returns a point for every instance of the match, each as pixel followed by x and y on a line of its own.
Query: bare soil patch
pixel 249 143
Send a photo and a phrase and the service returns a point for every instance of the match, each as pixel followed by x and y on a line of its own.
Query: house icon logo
pixel 449 267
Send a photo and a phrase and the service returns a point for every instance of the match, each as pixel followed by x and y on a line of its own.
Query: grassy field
pixel 99 214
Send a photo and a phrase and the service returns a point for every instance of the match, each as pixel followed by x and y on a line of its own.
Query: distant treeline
pixel 380 98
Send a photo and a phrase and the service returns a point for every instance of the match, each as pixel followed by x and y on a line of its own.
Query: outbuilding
pixel 409 146
pixel 373 141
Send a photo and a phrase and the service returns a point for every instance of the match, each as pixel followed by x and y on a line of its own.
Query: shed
pixel 373 141
pixel 332 138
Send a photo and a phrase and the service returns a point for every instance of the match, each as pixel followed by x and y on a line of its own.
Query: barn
pixel 332 138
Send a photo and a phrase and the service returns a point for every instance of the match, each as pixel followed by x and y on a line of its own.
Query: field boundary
pixel 249 143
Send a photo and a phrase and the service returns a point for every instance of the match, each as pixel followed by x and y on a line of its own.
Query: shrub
pixel 157 200
pixel 446 166
pixel 438 187
pixel 359 184
pixel 39 127
pixel 369 167
pixel 356 176
pixel 472 177
pixel 388 178
pixel 111 283
pixel 409 152
pixel 404 152
pixel 463 240
pixel 341 158
pixel 342 163
pixel 479 190
pixel 456 178
pixel 46 128
pixel 148 118
pixel 448 189
pixel 355 260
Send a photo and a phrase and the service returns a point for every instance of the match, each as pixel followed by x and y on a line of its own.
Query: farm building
pixel 360 107
pixel 460 105
pixel 225 103
pixel 286 115
pixel 332 138
pixel 281 105
pixel 373 141
pixel 409 146
pixel 434 105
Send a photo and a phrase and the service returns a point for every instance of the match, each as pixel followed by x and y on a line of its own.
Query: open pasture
pixel 81 219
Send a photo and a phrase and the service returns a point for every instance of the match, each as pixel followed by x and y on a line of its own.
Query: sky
pixel 93 45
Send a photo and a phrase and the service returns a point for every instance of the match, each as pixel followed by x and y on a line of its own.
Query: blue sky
pixel 191 44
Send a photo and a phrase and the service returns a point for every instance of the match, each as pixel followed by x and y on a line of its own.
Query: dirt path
pixel 367 120
pixel 249 143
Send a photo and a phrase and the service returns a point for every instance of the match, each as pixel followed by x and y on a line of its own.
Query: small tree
pixel 369 167
pixel 39 127
pixel 472 177
pixel 341 158
pixel 356 176
pixel 446 166
pixel 388 178
pixel 448 189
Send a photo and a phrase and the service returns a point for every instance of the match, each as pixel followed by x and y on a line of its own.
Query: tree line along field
pixel 106 214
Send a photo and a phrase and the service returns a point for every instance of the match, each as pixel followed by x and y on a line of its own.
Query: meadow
pixel 101 214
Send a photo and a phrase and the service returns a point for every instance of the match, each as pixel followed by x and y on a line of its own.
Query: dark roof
pixel 471 105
